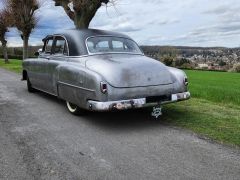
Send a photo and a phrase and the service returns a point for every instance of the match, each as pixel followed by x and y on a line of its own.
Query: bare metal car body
pixel 102 81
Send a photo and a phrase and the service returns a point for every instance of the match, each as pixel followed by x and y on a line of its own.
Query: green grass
pixel 220 87
pixel 215 121
pixel 13 65
pixel 213 111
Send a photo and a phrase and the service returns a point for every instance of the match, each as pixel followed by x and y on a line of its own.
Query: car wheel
pixel 29 86
pixel 74 109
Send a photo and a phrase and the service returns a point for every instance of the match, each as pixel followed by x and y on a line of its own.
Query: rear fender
pixel 78 84
pixel 180 76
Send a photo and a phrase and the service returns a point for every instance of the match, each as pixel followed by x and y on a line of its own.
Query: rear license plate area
pixel 154 99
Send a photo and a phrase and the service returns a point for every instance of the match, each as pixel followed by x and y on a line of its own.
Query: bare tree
pixel 81 11
pixel 5 22
pixel 23 13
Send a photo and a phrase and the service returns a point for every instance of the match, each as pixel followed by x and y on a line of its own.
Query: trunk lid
pixel 126 71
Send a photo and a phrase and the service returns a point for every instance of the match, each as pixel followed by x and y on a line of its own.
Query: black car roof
pixel 76 39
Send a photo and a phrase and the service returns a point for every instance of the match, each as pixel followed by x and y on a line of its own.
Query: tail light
pixel 103 87
pixel 185 81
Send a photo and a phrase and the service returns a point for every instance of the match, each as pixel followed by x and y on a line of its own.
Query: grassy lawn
pixel 216 121
pixel 220 87
pixel 213 111
pixel 14 65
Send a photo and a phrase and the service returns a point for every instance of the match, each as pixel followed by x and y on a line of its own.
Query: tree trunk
pixel 25 47
pixel 81 21
pixel 5 53
pixel 83 10
pixel 83 17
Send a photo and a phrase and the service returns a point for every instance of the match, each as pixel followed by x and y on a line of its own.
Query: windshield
pixel 109 44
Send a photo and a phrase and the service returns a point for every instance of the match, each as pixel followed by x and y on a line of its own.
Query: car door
pixel 59 56
pixel 42 65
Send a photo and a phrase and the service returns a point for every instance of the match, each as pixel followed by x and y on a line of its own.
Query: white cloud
pixel 156 22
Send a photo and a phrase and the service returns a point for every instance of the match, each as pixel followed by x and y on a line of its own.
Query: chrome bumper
pixel 133 103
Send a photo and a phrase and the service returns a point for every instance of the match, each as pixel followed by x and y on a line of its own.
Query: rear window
pixel 108 44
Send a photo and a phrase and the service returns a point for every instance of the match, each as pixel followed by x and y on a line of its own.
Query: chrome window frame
pixel 45 45
pixel 100 53
pixel 59 35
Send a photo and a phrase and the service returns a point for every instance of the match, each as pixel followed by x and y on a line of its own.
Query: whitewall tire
pixel 74 109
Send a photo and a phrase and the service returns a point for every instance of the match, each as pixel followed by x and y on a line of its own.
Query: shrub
pixel 236 68
pixel 187 66
pixel 222 63
pixel 168 60
pixel 10 56
pixel 18 51
pixel 180 62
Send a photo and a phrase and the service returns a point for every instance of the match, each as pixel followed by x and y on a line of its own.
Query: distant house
pixel 203 66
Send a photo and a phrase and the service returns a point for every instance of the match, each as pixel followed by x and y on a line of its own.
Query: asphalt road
pixel 39 139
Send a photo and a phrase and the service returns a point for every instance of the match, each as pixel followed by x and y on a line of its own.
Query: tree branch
pixel 64 4
pixel 84 10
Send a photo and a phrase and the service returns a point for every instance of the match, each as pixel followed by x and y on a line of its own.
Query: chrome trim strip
pixel 88 55
pixel 78 87
pixel 44 91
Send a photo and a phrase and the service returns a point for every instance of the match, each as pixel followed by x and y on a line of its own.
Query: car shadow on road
pixel 138 118
pixel 117 120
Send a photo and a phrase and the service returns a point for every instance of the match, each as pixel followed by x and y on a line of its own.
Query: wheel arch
pixel 24 75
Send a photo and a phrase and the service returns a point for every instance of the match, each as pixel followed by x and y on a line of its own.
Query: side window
pixel 118 46
pixel 60 46
pixel 102 46
pixel 48 46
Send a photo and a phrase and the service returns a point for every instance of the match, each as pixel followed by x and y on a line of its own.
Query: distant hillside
pixel 195 54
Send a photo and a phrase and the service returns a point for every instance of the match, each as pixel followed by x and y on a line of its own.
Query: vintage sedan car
pixel 102 71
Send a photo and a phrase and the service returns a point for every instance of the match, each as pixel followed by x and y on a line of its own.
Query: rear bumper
pixel 134 103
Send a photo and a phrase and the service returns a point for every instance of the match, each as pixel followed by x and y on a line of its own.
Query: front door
pixel 42 66
pixel 59 57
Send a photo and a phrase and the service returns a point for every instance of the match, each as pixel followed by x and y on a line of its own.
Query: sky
pixel 202 23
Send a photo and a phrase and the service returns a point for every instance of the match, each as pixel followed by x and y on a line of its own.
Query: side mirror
pixel 38 52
